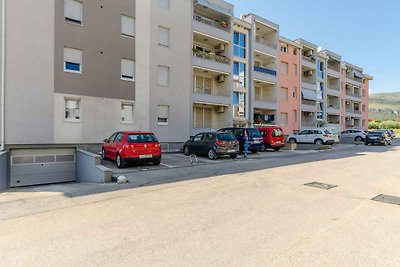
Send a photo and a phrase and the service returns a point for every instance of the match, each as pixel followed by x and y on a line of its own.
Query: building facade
pixel 85 69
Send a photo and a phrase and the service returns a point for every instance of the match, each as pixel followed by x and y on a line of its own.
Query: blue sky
pixel 365 33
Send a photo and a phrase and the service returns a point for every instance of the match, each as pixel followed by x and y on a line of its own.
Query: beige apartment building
pixel 75 71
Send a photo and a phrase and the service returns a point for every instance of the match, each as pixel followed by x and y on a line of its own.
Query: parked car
pixel 312 136
pixel 354 134
pixel 132 147
pixel 334 132
pixel 253 135
pixel 381 137
pixel 212 144
pixel 272 137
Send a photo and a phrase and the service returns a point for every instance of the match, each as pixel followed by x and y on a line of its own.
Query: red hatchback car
pixel 132 147
pixel 272 137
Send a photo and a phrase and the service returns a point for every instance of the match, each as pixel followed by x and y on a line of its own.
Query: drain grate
pixel 321 185
pixel 387 199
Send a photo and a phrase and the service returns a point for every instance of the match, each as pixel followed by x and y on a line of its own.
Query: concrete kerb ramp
pixel 89 168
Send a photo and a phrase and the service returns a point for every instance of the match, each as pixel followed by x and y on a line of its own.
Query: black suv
pixel 253 134
pixel 212 144
pixel 381 137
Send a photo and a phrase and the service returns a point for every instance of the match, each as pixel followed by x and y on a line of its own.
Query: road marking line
pixel 169 166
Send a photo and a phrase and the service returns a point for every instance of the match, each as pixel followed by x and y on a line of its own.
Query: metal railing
pixel 267 43
pixel 265 70
pixel 213 57
pixel 211 22
pixel 210 91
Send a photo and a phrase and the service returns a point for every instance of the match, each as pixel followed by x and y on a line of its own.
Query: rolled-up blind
pixel 73 10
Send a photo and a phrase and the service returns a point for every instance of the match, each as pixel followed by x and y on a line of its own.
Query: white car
pixel 312 136
pixel 354 134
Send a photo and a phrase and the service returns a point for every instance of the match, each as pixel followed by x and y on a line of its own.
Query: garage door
pixel 42 166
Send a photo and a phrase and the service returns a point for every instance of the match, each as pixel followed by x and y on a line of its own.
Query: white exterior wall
pixel 29 76
pixel 88 129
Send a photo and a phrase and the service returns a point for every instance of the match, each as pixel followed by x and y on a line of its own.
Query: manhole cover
pixel 321 185
pixel 387 199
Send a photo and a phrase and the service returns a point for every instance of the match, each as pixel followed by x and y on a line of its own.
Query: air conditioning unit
pixel 308 53
pixel 220 47
pixel 220 109
pixel 348 102
pixel 308 73
pixel 221 78
pixel 309 114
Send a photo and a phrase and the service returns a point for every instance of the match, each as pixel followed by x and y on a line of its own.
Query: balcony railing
pixel 353 94
pixel 266 99
pixel 213 57
pixel 335 68
pixel 354 78
pixel 217 24
pixel 330 87
pixel 310 81
pixel 267 43
pixel 309 102
pixel 333 107
pixel 264 70
pixel 210 91
pixel 309 59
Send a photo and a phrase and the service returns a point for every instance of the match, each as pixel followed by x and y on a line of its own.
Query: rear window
pixel 327 132
pixel 226 137
pixel 142 138
pixel 374 133
pixel 253 133
pixel 277 133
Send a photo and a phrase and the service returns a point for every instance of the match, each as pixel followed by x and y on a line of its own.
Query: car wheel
pixel 157 162
pixel 292 140
pixel 358 139
pixel 318 142
pixel 276 149
pixel 263 149
pixel 211 154
pixel 103 153
pixel 119 161
pixel 233 156
pixel 186 151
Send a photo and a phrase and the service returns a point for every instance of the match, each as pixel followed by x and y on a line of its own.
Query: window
pixel 284 93
pixel 198 137
pixel 295 69
pixel 295 92
pixel 119 137
pixel 295 51
pixel 295 115
pixel 284 68
pixel 127 112
pixel 72 60
pixel 239 46
pixel 163 113
pixel 163 36
pixel 127 26
pixel 284 48
pixel 203 85
pixel 72 109
pixel 202 117
pixel 127 70
pixel 239 98
pixel 73 11
pixel 163 4
pixel 239 74
pixel 163 75
pixel 320 69
pixel 284 118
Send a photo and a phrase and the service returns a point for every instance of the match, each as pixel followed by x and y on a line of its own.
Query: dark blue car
pixel 253 134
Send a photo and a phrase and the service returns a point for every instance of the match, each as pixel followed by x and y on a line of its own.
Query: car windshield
pixel 277 133
pixel 141 138
pixel 254 133
pixel 226 137
pixel 375 133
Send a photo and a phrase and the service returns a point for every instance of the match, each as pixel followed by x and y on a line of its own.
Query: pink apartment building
pixel 289 96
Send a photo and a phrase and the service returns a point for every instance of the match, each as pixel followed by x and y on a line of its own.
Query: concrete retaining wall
pixel 89 168
pixel 3 171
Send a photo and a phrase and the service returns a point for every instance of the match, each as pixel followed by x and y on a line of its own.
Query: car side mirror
pixel 105 140
pixel 191 138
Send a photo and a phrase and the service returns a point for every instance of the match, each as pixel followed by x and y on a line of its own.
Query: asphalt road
pixel 255 212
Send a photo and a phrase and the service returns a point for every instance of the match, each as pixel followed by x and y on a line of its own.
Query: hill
pixel 384 106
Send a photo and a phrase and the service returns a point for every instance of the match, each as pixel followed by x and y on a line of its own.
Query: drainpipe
pixel 2 86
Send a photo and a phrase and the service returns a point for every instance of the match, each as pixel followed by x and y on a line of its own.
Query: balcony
pixel 266 99
pixel 333 109
pixel 265 74
pixel 334 68
pixel 309 62
pixel 216 24
pixel 265 102
pixel 213 91
pixel 265 70
pixel 212 57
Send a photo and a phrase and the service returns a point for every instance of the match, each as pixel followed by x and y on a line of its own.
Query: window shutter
pixel 127 112
pixel 72 55
pixel 207 118
pixel 127 26
pixel 127 68
pixel 163 36
pixel 163 111
pixel 73 10
pixel 163 75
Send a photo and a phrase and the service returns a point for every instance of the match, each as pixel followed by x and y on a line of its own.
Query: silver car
pixel 354 134
pixel 312 136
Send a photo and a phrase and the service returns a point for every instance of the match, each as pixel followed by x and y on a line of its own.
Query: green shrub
pixel 390 125
pixel 374 125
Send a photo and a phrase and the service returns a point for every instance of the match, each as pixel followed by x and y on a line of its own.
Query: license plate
pixel 278 142
pixel 231 150
pixel 147 156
